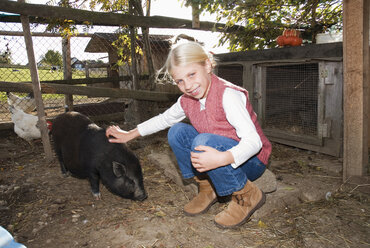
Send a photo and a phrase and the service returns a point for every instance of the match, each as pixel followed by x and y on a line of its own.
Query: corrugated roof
pixel 102 42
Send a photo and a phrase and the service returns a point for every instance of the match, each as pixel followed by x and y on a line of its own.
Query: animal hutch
pixel 159 46
pixel 296 93
pixel 103 43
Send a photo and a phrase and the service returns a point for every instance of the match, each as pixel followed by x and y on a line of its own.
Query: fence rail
pixel 90 73
pixel 91 91
pixel 109 19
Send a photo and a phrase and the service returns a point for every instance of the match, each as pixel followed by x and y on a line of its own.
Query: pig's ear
pixel 119 169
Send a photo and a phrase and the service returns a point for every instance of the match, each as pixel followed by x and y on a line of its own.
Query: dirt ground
pixel 43 209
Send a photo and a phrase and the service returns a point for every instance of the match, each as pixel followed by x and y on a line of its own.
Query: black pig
pixel 84 151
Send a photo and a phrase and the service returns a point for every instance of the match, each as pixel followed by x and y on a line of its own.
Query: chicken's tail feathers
pixel 9 96
pixel 31 95
pixel 11 109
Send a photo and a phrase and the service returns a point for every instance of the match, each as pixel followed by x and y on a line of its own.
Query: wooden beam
pixel 41 34
pixel 36 88
pixel 91 91
pixel 309 51
pixel 355 88
pixel 81 80
pixel 108 19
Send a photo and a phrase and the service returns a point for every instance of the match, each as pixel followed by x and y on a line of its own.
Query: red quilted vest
pixel 213 118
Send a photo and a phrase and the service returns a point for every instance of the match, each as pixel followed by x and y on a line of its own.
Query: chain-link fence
pixel 97 52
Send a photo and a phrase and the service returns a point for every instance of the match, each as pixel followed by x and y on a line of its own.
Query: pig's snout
pixel 140 195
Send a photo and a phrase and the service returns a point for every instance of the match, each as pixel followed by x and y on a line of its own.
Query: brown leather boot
pixel 243 204
pixel 203 201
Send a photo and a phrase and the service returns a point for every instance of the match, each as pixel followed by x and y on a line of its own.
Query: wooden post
pixel 148 50
pixel 355 88
pixel 87 72
pixel 135 85
pixel 112 69
pixel 132 112
pixel 67 69
pixel 36 87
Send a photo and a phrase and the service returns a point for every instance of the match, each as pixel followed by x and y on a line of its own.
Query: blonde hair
pixel 181 55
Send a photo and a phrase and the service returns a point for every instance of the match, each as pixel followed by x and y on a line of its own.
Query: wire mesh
pixel 232 73
pixel 292 98
pixel 93 55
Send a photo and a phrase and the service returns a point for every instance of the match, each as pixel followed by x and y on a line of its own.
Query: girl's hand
pixel 209 158
pixel 117 135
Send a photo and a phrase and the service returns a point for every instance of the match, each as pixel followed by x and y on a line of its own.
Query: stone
pixel 167 162
pixel 267 182
pixel 284 196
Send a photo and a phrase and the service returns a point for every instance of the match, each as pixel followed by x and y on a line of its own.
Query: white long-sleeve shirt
pixel 234 104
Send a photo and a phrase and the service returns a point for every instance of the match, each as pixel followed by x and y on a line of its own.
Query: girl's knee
pixel 201 140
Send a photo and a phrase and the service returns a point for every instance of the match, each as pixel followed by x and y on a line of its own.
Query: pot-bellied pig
pixel 84 151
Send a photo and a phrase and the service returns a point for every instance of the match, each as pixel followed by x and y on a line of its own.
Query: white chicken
pixel 26 125
pixel 26 103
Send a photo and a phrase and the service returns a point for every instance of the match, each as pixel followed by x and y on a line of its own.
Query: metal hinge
pixel 325 128
pixel 324 74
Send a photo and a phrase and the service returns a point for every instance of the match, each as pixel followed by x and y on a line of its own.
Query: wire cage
pixel 292 98
pixel 296 93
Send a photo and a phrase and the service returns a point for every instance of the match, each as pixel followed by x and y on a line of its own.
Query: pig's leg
pixel 63 168
pixel 94 183
pixel 61 162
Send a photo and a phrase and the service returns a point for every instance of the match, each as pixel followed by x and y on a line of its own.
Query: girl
pixel 224 148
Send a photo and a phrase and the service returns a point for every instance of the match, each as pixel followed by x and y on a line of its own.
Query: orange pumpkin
pixel 291 32
pixel 290 37
pixel 286 32
pixel 281 40
pixel 296 41
pixel 289 40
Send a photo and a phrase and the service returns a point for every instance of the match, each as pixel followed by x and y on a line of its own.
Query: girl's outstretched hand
pixel 209 158
pixel 117 135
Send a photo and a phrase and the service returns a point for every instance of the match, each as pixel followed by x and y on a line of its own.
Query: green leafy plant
pixel 264 20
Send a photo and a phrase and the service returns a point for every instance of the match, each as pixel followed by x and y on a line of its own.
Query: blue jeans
pixel 183 138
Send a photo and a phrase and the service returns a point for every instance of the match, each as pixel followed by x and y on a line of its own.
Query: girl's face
pixel 193 79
